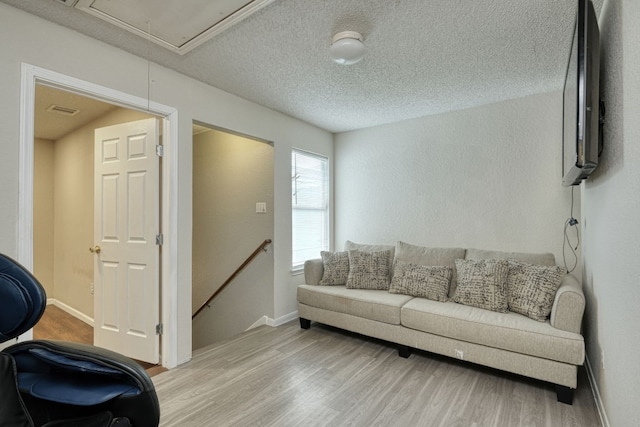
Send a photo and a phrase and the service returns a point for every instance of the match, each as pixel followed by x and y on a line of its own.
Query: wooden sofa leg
pixel 404 351
pixel 564 394
pixel 305 323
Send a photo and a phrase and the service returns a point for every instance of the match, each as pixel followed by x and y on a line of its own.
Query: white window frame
pixel 323 205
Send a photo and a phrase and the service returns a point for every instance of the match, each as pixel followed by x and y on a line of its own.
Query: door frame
pixel 32 75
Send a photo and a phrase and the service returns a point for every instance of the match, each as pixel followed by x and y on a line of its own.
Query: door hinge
pixel 159 329
pixel 159 239
pixel 159 150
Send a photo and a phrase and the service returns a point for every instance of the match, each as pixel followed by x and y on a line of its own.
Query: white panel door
pixel 126 222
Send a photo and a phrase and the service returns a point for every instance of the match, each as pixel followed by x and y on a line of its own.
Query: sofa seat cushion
pixel 376 305
pixel 507 331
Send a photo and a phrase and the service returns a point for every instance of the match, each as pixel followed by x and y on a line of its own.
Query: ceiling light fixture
pixel 347 47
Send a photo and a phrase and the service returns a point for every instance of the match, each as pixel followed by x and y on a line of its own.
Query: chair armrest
pixel 313 270
pixel 568 306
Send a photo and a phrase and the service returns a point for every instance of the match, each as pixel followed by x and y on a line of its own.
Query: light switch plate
pixel 261 207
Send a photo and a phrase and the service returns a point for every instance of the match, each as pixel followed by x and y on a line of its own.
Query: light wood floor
pixel 287 376
pixel 56 324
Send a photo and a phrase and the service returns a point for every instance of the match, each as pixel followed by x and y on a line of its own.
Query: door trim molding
pixel 32 75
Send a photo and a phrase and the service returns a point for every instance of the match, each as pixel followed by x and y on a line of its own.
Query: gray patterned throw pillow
pixel 368 270
pixel 431 282
pixel 336 268
pixel 532 288
pixel 482 283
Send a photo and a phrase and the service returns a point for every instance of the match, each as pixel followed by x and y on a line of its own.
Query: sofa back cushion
pixel 352 246
pixel 530 258
pixel 365 247
pixel 422 255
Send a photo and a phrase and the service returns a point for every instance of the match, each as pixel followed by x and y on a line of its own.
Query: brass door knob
pixel 95 250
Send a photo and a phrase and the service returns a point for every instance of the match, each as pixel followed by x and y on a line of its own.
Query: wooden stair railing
pixel 246 262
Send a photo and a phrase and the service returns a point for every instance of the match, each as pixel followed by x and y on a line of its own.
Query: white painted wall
pixel 43 44
pixel 487 177
pixel 611 202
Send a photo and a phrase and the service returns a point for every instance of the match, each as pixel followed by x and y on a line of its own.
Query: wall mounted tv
pixel 583 112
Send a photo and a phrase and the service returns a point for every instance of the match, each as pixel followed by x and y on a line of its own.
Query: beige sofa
pixel 548 350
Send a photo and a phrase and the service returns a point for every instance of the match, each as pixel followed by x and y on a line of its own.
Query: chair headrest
pixel 22 299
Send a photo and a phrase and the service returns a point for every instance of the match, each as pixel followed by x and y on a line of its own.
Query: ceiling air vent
pixel 65 111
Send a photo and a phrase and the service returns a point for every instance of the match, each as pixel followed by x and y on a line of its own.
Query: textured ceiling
pixel 423 56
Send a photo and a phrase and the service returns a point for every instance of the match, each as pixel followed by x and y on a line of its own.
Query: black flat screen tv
pixel 582 111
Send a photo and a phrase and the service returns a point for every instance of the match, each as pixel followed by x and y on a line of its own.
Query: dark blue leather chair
pixel 56 384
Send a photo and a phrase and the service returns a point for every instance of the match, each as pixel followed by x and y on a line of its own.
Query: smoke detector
pixel 347 47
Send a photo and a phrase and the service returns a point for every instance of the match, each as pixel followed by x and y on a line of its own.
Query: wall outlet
pixel 460 354
pixel 91 286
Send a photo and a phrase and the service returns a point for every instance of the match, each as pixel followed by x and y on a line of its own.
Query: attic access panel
pixel 178 25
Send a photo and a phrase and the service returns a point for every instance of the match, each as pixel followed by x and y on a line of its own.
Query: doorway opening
pixel 233 188
pixel 31 199
pixel 66 189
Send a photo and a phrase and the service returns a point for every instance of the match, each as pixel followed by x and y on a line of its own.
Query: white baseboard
pixel 286 318
pixel 70 310
pixel 266 320
pixel 596 394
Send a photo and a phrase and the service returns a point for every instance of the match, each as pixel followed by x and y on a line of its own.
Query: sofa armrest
pixel 568 306
pixel 313 270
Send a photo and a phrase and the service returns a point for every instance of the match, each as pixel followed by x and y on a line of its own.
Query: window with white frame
pixel 309 206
